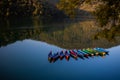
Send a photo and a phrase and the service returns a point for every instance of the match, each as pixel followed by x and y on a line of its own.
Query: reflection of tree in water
pixel 65 35
pixel 109 34
pixel 76 36
pixel 16 29
pixel 13 36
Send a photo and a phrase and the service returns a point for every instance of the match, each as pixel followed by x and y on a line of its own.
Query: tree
pixel 108 13
pixel 28 8
pixel 69 6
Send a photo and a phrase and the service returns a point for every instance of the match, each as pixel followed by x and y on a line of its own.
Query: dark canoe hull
pixel 67 55
pixel 84 54
pixel 61 55
pixel 90 54
pixel 79 54
pixel 55 57
pixel 73 54
pixel 50 56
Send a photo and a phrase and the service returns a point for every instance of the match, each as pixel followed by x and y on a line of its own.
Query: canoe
pixel 92 51
pixel 85 54
pixel 101 49
pixel 89 53
pixel 79 54
pixel 61 55
pixel 67 55
pixel 50 56
pixel 101 53
pixel 73 54
pixel 55 57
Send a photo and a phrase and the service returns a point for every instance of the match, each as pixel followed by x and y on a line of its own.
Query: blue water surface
pixel 28 60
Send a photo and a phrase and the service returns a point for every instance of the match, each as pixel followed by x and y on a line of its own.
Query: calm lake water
pixel 24 48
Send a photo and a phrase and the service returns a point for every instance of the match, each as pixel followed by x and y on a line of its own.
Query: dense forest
pixel 28 8
pixel 107 12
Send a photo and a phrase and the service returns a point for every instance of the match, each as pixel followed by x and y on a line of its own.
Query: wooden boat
pixel 85 54
pixel 61 55
pixel 90 54
pixel 67 55
pixel 73 54
pixel 79 54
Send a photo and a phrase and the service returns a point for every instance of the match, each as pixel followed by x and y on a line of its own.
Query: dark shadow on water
pixel 76 58
pixel 62 58
pixel 81 57
pixel 50 60
pixel 53 60
pixel 67 59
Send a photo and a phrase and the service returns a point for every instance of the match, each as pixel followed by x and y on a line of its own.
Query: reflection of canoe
pixel 67 55
pixel 73 54
pixel 61 55
pixel 85 54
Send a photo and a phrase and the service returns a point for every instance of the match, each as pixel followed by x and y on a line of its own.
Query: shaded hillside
pixel 106 12
pixel 24 8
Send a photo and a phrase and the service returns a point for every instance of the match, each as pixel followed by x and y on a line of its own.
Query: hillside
pixel 29 8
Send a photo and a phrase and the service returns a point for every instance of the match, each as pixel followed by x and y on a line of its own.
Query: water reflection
pixel 65 34
pixel 110 34
pixel 27 59
pixel 23 54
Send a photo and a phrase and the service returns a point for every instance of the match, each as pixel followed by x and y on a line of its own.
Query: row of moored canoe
pixel 77 53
